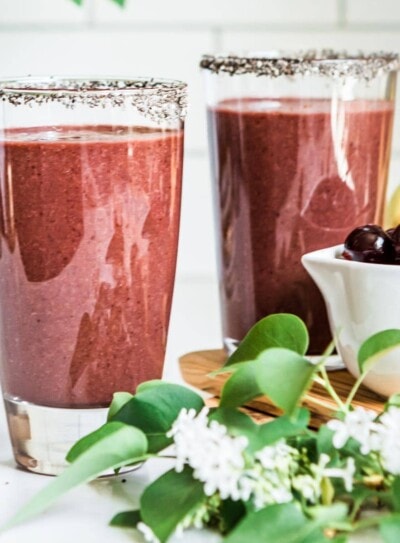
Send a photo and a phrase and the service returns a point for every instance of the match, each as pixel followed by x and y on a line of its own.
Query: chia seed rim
pixel 157 98
pixel 327 62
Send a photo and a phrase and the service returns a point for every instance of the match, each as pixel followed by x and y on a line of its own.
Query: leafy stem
pixel 326 383
pixel 279 478
pixel 324 380
pixel 355 388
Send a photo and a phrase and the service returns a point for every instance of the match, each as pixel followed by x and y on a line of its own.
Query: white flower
pixel 390 440
pixel 270 479
pixel 308 486
pixel 346 473
pixel 195 519
pixel 147 532
pixel 216 457
pixel 265 487
pixel 382 437
pixel 360 425
pixel 219 461
pixel 277 456
pixel 340 433
pixel 184 430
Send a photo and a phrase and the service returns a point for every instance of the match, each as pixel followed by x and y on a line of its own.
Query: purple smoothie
pixel 89 221
pixel 291 177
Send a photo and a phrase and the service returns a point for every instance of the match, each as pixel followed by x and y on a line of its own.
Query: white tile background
pixel 166 38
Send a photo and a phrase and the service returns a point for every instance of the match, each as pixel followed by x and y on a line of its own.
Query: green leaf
pixel 325 442
pixel 78 2
pixel 126 519
pixel 394 401
pixel 241 387
pixel 155 409
pixel 317 537
pixel 389 529
pixel 376 346
pixel 328 515
pixel 282 375
pixel 395 490
pixel 167 501
pixel 118 401
pixel 231 514
pixel 280 330
pixel 122 445
pixel 147 385
pixel 260 435
pixel 284 427
pixel 88 441
pixel 275 524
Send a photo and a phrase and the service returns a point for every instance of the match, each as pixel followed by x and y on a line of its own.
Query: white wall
pixel 167 38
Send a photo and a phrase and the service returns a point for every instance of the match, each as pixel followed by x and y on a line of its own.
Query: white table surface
pixel 83 514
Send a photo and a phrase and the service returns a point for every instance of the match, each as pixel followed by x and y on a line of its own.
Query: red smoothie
pixel 89 221
pixel 292 176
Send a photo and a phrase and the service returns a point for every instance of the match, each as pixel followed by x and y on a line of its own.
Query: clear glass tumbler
pixel 300 147
pixel 90 185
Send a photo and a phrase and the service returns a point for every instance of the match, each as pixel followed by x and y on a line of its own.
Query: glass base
pixel 42 436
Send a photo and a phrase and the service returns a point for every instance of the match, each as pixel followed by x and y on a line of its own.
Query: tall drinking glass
pixel 90 184
pixel 300 148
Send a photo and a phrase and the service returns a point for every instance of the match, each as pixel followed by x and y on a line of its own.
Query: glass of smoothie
pixel 90 186
pixel 300 147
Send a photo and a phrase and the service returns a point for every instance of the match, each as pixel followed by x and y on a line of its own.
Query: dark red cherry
pixel 394 234
pixel 369 243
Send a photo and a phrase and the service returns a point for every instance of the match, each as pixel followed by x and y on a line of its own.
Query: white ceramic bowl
pixel 361 299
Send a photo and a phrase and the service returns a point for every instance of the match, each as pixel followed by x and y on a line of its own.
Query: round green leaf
pixel 279 330
pixel 376 346
pixel 167 501
pixel 126 519
pixel 241 387
pixel 282 375
pixel 118 401
pixel 154 410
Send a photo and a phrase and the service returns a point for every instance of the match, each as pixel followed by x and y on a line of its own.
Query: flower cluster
pixel 242 478
pixel 272 475
pixel 375 434
pixel 225 466
pixel 216 457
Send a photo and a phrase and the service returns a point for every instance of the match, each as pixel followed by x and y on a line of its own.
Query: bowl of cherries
pixel 360 283
pixel 370 243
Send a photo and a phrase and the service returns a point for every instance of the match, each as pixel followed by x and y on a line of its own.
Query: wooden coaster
pixel 197 366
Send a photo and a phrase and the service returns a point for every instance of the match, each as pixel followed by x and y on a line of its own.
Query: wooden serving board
pixel 197 366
